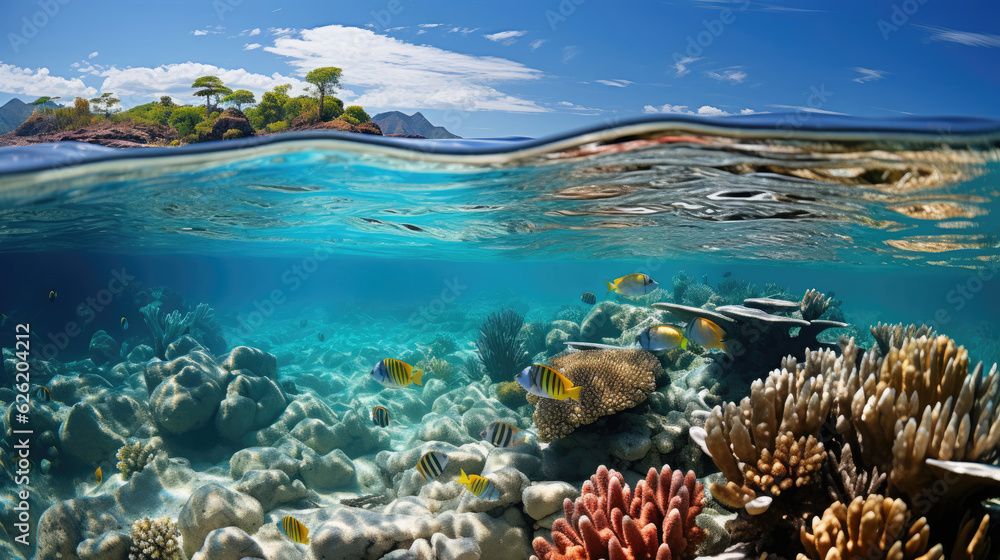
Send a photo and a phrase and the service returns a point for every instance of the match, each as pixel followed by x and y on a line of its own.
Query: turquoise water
pixel 331 254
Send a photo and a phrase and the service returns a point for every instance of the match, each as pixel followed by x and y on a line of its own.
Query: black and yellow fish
pixel 99 476
pixel 124 323
pixel 432 464
pixel 380 416
pixel 588 298
pixel 42 393
pixel 502 434
pixel 53 295
pixel 481 486
pixel 294 529
pixel 394 373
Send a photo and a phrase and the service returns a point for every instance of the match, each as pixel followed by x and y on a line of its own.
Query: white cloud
pixel 395 73
pixel 615 83
pixel 281 30
pixel 176 80
pixel 574 107
pixel 38 82
pixel 463 30
pixel 704 110
pixel 421 32
pixel 869 75
pixel 87 69
pixel 732 76
pixel 431 24
pixel 199 32
pixel 569 53
pixel 807 109
pixel 255 31
pixel 682 65
pixel 505 37
pixel 92 55
pixel 963 37
pixel 536 43
pixel 75 65
pixel 251 46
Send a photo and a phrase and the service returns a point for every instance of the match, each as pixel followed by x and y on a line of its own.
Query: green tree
pixel 184 119
pixel 106 102
pixel 271 108
pixel 165 101
pixel 210 86
pixel 358 113
pixel 239 98
pixel 325 81
pixel 74 117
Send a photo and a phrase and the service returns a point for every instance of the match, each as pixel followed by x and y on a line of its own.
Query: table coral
pixel 612 381
pixel 611 521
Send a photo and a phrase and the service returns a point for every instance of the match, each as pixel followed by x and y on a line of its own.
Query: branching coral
pixel 813 305
pixel 168 328
pixel 767 444
pixel 501 350
pixel 612 381
pixel 610 521
pixel 920 401
pixel 155 539
pixel 133 457
pixel 872 528
pixel 892 336
pixel 849 481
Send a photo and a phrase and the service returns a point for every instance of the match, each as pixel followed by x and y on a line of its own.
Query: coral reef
pixel 892 336
pixel 757 337
pixel 501 350
pixel 874 528
pixel 166 328
pixel 813 305
pixel 133 457
pixel 511 394
pixel 155 539
pixel 438 368
pixel 611 521
pixel 734 290
pixel 612 381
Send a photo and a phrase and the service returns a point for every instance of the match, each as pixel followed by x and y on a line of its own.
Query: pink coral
pixel 608 520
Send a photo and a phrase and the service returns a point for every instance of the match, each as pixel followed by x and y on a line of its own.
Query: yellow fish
pixel 633 285
pixel 706 333
pixel 662 337
pixel 480 486
pixel 294 529
pixel 543 381
pixel 53 295
pixel 99 476
pixel 394 373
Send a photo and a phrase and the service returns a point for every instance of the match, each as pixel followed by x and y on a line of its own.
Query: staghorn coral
pixel 612 381
pixel 611 521
pixel 848 480
pixel 511 394
pixel 891 336
pixel 133 457
pixel 501 350
pixel 872 528
pixel 973 541
pixel 813 305
pixel 918 402
pixel 155 539
pixel 767 444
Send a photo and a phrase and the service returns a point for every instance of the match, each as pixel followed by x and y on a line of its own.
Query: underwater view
pixel 699 279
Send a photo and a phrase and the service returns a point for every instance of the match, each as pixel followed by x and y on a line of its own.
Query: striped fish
pixel 294 529
pixel 588 298
pixel 380 416
pixel 502 434
pixel 480 486
pixel 432 464
pixel 394 373
pixel 543 381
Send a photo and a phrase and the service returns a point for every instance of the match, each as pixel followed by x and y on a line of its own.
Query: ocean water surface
pixel 328 253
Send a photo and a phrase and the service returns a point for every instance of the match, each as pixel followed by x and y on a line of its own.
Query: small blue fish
pixel 124 323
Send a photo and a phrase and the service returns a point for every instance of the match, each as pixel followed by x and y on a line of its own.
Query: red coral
pixel 608 520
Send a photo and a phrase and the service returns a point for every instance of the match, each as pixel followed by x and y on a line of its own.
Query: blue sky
pixel 522 67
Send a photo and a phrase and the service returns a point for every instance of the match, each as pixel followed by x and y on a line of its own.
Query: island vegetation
pixel 226 114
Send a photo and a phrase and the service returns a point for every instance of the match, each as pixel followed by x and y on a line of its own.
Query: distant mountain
pixel 15 112
pixel 394 122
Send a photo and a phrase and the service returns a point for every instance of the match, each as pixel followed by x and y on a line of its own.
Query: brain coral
pixel 612 381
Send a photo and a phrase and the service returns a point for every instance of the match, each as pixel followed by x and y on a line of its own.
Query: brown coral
pixel 611 381
pixel 891 336
pixel 920 401
pixel 767 444
pixel 872 528
pixel 608 520
pixel 511 394
pixel 813 304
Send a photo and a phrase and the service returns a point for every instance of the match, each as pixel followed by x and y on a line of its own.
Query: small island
pixel 226 115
